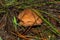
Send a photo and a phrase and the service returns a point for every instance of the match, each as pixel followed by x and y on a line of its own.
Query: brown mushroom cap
pixel 29 18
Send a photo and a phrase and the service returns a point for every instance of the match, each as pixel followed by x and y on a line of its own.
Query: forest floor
pixel 10 29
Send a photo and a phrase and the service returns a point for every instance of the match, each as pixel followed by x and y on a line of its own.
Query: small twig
pixel 51 15
pixel 20 35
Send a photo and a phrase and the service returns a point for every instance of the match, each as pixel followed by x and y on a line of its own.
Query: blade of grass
pixel 15 23
pixel 25 6
pixel 8 3
pixel 14 20
pixel 47 22
pixel 51 15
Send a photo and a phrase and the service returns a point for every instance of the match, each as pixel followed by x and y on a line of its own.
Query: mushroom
pixel 28 18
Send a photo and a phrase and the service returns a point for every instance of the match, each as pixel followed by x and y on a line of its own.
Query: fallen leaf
pixel 28 18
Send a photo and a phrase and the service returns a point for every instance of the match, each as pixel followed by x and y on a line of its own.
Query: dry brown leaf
pixel 29 18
